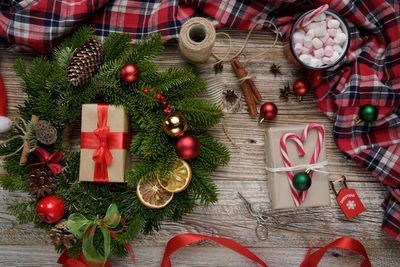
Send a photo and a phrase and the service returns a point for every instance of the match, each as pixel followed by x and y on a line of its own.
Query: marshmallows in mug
pixel 320 42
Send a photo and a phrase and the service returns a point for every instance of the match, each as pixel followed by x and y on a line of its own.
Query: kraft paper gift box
pixel 117 138
pixel 278 183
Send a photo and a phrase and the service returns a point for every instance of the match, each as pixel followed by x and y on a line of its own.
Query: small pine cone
pixel 61 235
pixel 41 182
pixel 45 132
pixel 85 62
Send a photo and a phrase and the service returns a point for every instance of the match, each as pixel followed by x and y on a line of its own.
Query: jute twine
pixel 196 39
pixel 21 124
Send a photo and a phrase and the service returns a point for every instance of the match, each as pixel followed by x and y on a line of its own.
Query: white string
pixel 309 167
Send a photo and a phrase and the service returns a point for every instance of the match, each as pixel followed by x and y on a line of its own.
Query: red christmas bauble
pixel 268 110
pixel 130 73
pixel 301 87
pixel 50 209
pixel 187 147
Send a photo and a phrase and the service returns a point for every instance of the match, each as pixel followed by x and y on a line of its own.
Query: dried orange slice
pixel 179 178
pixel 152 195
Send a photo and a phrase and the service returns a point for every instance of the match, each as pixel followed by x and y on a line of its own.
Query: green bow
pixel 84 230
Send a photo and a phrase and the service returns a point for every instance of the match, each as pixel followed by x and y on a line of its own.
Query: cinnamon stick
pixel 24 154
pixel 247 91
pixel 253 87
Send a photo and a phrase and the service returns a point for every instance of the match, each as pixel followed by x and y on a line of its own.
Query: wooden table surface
pixel 24 245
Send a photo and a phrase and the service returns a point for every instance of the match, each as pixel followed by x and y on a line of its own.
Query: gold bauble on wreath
pixel 175 125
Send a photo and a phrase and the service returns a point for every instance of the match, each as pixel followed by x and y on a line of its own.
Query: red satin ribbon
pixel 67 261
pixel 47 160
pixel 102 140
pixel 311 260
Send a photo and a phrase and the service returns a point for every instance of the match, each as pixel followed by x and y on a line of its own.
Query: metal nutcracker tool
pixel 347 199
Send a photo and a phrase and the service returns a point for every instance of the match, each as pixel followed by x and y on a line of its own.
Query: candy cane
pixel 307 19
pixel 317 149
pixel 294 137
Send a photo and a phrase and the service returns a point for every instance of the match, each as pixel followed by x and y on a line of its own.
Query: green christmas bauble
pixel 301 181
pixel 368 113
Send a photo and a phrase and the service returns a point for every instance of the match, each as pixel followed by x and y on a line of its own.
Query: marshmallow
pixel 315 62
pixel 333 23
pixel 306 59
pixel 328 17
pixel 338 30
pixel 316 43
pixel 306 50
pixel 320 31
pixel 311 33
pixel 320 17
pixel 335 56
pixel 298 36
pixel 338 48
pixel 311 26
pixel 332 32
pixel 298 48
pixel 324 38
pixel 307 41
pixel 328 50
pixel 340 38
pixel 326 60
pixel 330 41
pixel 319 53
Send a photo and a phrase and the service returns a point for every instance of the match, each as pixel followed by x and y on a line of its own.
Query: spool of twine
pixel 196 39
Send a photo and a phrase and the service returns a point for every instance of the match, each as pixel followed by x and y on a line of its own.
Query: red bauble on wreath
pixel 50 209
pixel 187 147
pixel 130 73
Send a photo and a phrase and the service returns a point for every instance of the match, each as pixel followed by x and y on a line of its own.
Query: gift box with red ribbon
pixel 105 140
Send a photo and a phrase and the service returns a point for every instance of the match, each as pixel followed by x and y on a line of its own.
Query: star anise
pixel 275 69
pixel 285 92
pixel 230 96
pixel 218 67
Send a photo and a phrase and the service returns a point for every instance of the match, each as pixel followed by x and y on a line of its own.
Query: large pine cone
pixel 85 62
pixel 41 182
pixel 61 235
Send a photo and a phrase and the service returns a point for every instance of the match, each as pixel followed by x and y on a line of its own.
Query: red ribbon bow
pixel 67 261
pixel 102 140
pixel 47 160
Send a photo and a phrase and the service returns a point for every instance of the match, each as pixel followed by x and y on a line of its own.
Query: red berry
pixel 169 105
pixel 158 96
pixel 164 102
pixel 146 90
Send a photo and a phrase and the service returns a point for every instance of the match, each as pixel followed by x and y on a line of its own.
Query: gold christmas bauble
pixel 175 124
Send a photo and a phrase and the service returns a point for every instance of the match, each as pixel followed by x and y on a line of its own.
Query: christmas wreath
pixel 173 154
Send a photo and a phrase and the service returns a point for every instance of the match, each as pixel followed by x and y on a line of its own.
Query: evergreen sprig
pixel 52 98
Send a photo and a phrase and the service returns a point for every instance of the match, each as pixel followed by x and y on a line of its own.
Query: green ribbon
pixel 85 229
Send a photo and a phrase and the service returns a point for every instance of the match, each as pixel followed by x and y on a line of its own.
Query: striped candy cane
pixel 307 19
pixel 317 150
pixel 299 143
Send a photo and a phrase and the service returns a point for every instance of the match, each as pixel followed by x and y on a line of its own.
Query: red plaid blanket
pixel 370 73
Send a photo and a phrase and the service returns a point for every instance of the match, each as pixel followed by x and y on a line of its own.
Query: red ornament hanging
pixel 268 111
pixel 301 87
pixel 130 73
pixel 50 209
pixel 187 147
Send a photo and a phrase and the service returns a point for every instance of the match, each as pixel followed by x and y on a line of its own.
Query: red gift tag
pixel 348 200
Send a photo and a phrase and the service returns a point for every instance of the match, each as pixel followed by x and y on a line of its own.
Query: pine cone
pixel 41 182
pixel 85 62
pixel 45 132
pixel 61 235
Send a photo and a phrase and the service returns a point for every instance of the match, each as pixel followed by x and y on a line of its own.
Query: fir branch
pixel 198 113
pixel 12 183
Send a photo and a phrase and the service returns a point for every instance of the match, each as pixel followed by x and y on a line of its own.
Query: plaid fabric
pixel 369 74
